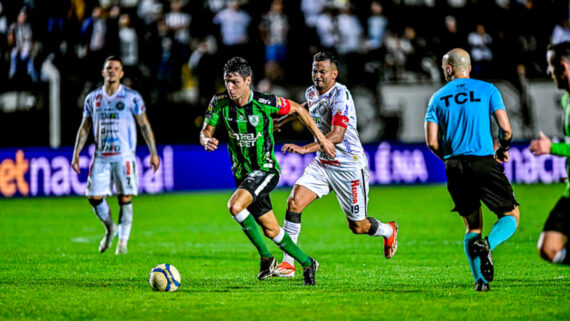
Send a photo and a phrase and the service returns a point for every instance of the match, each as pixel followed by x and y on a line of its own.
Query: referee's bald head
pixel 456 63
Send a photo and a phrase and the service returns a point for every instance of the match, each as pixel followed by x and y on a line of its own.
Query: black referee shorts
pixel 472 179
pixel 559 218
pixel 259 184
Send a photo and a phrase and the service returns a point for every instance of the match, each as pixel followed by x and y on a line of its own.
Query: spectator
pixel 20 37
pixel 327 29
pixel 202 62
pixel 350 37
pixel 274 28
pixel 481 55
pixel 129 45
pixel 234 25
pixel 178 23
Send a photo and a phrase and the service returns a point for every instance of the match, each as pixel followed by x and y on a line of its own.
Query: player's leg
pixel 311 185
pixel 237 205
pixel 98 187
pixel 126 181
pixel 125 222
pixel 553 243
pixel 271 229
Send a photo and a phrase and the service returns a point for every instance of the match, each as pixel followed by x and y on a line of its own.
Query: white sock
pixel 125 221
pixel 279 236
pixel 241 216
pixel 560 256
pixel 103 212
pixel 293 229
pixel 384 230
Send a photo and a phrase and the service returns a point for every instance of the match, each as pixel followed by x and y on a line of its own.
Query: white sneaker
pixel 108 238
pixel 121 248
pixel 284 270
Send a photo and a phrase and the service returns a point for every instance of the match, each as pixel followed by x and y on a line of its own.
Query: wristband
pixel 504 144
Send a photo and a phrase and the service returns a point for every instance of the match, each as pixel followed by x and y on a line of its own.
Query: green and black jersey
pixel 250 130
pixel 563 149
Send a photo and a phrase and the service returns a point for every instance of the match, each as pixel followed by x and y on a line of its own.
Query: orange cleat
pixel 391 243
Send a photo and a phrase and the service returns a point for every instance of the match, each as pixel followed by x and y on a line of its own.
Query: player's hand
pixel 154 162
pixel 292 148
pixel 328 147
pixel 502 156
pixel 211 144
pixel 541 146
pixel 75 164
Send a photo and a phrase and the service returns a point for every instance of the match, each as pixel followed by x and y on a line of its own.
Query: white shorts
pixel 351 187
pixel 104 173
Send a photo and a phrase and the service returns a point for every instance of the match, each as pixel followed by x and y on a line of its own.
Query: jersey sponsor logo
pixel 253 120
pixel 460 98
pixel 264 101
pixel 354 190
pixel 98 100
pixel 120 105
pixel 245 139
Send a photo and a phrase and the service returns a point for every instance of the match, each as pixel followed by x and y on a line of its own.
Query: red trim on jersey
pixel 128 167
pixel 328 162
pixel 285 106
pixel 340 120
pixel 110 154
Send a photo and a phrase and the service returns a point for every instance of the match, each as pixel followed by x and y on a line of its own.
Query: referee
pixel 459 114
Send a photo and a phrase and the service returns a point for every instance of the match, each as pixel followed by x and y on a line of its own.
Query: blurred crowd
pixel 171 45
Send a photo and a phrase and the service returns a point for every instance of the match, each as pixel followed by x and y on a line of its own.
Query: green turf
pixel 50 268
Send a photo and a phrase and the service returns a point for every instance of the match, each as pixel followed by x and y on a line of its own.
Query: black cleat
pixel 266 267
pixel 481 286
pixel 482 249
pixel 309 272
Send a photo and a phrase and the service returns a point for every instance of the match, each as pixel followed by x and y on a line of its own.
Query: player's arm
pixel 307 120
pixel 335 136
pixel 279 122
pixel 432 138
pixel 82 135
pixel 505 135
pixel 206 137
pixel 146 130
pixel 544 146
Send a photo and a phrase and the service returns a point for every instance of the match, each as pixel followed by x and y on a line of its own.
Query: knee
pixel 235 208
pixel 95 200
pixel 271 231
pixel 125 199
pixel 294 204
pixel 547 252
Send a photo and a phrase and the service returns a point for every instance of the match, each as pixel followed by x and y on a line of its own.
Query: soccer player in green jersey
pixel 247 116
pixel 553 241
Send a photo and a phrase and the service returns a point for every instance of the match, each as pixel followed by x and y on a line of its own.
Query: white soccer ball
pixel 164 277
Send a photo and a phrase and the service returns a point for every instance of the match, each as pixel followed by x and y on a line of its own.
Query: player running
pixel 553 241
pixel 247 116
pixel 460 112
pixel 331 105
pixel 112 111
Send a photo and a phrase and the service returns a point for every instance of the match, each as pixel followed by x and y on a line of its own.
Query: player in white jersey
pixel 331 105
pixel 112 110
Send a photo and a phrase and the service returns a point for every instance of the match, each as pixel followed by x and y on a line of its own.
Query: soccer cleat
pixel 309 272
pixel 121 248
pixel 266 268
pixel 284 270
pixel 482 286
pixel 108 238
pixel 482 249
pixel 391 243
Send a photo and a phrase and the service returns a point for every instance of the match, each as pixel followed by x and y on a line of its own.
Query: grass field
pixel 50 268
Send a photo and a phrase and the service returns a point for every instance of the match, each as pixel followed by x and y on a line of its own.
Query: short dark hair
pixel 560 49
pixel 324 56
pixel 239 66
pixel 113 58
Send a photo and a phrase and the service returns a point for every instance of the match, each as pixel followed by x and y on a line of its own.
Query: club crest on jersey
pixel 120 105
pixel 253 120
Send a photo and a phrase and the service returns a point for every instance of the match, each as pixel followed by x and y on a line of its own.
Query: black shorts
pixel 471 179
pixel 559 218
pixel 259 184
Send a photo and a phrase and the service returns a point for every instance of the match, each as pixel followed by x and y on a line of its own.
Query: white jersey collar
pixel 113 95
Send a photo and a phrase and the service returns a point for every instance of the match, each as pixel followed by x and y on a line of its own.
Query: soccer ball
pixel 164 277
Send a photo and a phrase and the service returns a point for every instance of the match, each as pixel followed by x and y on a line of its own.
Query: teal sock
pixel 286 244
pixel 475 270
pixel 502 231
pixel 250 229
